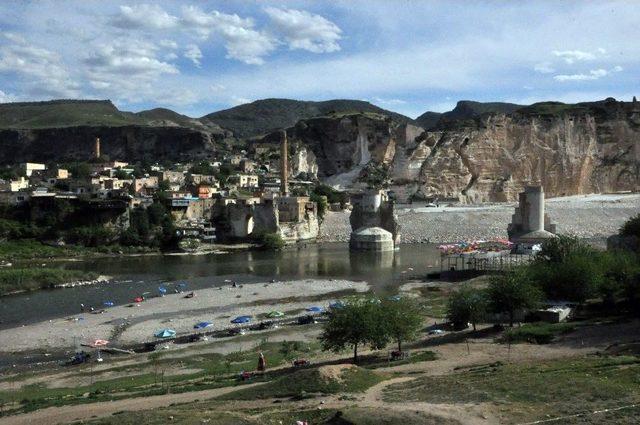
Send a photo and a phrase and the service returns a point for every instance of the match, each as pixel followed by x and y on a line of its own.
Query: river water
pixel 134 276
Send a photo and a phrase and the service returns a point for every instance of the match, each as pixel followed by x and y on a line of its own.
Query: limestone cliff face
pixel 490 158
pixel 132 143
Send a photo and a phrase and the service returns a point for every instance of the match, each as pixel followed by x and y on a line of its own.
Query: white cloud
pixel 194 54
pixel 571 56
pixel 306 31
pixel 126 68
pixel 242 41
pixel 4 97
pixel 385 101
pixel 42 70
pixel 594 74
pixel 238 100
pixel 169 44
pixel 144 16
pixel 544 68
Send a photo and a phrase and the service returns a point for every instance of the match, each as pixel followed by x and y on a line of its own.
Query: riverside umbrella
pixel 108 303
pixel 165 333
pixel 202 325
pixel 337 305
pixel 241 319
pixel 162 290
pixel 315 309
pixel 275 314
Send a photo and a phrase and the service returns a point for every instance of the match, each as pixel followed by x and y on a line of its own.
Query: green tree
pixel 512 291
pixel 631 227
pixel 121 174
pixel 556 250
pixel 467 305
pixel 576 278
pixel 321 201
pixel 403 319
pixel 359 322
pixel 271 241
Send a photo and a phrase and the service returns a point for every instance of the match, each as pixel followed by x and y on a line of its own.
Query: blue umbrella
pixel 315 309
pixel 395 298
pixel 182 285
pixel 241 319
pixel 162 289
pixel 337 305
pixel 108 303
pixel 202 325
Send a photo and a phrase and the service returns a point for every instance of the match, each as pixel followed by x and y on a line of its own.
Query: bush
pixel 631 227
pixel 576 278
pixel 271 241
pixel 537 333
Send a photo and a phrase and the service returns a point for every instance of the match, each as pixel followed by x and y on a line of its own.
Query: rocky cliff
pixel 130 143
pixel 570 149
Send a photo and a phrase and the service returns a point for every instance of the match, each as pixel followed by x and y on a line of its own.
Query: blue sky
pixel 408 56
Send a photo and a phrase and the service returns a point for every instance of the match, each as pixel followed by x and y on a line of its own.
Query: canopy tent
pixel 165 333
pixel 202 325
pixel 241 319
pixel 315 309
pixel 275 314
pixel 476 246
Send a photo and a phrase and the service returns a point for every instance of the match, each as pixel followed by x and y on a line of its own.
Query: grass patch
pixel 28 249
pixel 537 333
pixel 29 279
pixel 310 381
pixel 532 391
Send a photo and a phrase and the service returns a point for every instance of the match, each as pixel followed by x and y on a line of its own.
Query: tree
pixel 403 319
pixel 121 174
pixel 556 250
pixel 360 321
pixel 321 201
pixel 467 305
pixel 631 227
pixel 576 278
pixel 512 291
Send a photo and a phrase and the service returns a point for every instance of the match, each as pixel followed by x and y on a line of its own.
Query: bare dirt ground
pixel 453 353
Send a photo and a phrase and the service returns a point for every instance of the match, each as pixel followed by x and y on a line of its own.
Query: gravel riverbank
pixel 217 305
pixel 587 216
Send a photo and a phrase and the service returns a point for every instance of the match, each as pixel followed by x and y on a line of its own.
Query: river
pixel 133 276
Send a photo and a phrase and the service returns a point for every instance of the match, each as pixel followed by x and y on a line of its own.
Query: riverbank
pixel 136 323
pixel 586 216
pixel 18 280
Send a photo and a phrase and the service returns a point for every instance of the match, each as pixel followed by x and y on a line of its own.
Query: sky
pixel 196 57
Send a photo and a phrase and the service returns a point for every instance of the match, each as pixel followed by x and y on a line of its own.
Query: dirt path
pixel 67 414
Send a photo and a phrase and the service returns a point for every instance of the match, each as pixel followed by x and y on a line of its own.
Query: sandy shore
pixel 173 311
pixel 587 216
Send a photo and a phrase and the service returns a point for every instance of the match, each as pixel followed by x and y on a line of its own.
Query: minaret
pixel 96 150
pixel 284 179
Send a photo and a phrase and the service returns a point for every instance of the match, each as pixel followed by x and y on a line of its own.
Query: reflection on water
pixel 136 275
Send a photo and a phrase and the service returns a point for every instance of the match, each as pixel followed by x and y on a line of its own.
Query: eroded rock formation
pixel 595 148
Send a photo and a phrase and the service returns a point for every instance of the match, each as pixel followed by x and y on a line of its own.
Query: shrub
pixel 631 227
pixel 271 241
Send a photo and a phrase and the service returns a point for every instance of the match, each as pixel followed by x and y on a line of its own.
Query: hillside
pixel 64 113
pixel 466 110
pixel 262 116
pixel 428 120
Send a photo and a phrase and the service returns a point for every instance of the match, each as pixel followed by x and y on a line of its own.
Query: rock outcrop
pixel 569 149
pixel 131 143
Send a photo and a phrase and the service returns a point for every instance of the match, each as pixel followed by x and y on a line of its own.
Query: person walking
pixel 262 363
